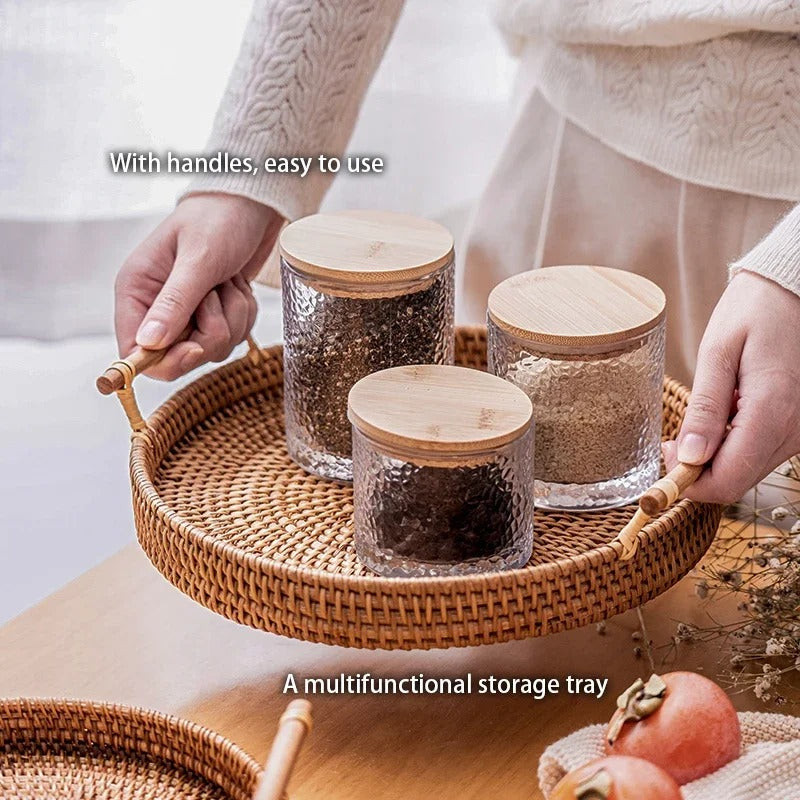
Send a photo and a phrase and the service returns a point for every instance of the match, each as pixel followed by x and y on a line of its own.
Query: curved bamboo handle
pixel 292 730
pixel 660 496
pixel 123 371
pixel 663 493
pixel 120 374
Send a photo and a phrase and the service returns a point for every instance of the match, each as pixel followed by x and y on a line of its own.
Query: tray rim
pixel 375 585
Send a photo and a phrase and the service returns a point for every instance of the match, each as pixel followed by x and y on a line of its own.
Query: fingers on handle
pixel 181 358
pixel 208 341
pixel 187 284
pixel 252 305
pixel 709 406
pixel 236 310
pixel 222 320
pixel 750 450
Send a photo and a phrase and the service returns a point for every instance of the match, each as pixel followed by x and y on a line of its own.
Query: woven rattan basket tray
pixel 225 515
pixel 69 749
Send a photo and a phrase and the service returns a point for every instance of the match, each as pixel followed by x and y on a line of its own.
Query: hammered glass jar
pixel 442 472
pixel 586 344
pixel 362 291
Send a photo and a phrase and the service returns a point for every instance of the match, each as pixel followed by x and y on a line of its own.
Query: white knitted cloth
pixel 768 769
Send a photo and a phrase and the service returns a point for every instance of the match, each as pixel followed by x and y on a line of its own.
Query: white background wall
pixel 80 77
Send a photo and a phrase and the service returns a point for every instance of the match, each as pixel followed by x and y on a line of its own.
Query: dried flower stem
pixel 648 649
pixel 757 558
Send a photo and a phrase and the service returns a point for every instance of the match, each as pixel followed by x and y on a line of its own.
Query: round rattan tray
pixel 225 515
pixel 71 749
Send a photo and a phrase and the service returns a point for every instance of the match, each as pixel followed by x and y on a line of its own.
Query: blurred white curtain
pixel 81 77
pixel 78 78
pixel 438 110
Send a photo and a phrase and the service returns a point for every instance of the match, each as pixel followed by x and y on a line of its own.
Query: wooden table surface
pixel 121 633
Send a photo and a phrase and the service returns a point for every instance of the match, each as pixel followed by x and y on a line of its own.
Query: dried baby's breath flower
pixel 775 647
pixel 757 559
pixel 761 690
pixel 685 632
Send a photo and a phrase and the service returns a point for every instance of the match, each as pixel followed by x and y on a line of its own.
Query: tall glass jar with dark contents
pixel 362 291
pixel 586 344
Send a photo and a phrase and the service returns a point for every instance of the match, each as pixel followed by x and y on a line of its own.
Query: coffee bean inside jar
pixel 442 472
pixel 362 291
pixel 447 515
pixel 586 344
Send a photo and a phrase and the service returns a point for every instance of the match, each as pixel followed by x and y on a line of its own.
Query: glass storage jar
pixel 362 291
pixel 442 472
pixel 586 344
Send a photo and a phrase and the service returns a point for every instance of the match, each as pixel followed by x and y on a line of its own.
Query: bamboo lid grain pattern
pixel 576 305
pixel 363 247
pixel 439 409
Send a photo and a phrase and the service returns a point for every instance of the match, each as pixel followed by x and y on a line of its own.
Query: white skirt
pixel 559 196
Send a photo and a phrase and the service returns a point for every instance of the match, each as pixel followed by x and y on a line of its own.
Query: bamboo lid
pixel 439 409
pixel 364 247
pixel 577 305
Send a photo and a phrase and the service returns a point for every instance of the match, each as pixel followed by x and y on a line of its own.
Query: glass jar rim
pixel 440 458
pixel 578 349
pixel 329 284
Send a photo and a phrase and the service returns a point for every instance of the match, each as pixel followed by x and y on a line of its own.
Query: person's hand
pixel 748 376
pixel 196 266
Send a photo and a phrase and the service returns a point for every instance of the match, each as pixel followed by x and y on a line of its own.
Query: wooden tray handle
pixel 118 378
pixel 292 730
pixel 664 492
pixel 659 497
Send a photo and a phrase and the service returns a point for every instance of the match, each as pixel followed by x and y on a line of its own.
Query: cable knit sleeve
pixel 295 90
pixel 777 255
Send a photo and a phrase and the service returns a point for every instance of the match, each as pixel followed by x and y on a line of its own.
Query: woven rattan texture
pixel 225 515
pixel 70 749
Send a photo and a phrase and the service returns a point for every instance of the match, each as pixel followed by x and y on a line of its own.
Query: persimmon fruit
pixel 617 778
pixel 690 731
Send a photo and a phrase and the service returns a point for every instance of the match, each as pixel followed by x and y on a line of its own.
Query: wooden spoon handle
pixel 294 725
pixel 114 378
pixel 664 492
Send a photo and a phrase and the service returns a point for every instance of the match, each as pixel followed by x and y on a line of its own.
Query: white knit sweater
pixel 705 90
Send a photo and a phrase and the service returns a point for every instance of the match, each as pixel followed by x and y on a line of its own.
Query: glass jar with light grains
pixel 362 291
pixel 443 472
pixel 586 344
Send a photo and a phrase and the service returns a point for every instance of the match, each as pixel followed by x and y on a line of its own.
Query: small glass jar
pixel 362 291
pixel 586 344
pixel 442 472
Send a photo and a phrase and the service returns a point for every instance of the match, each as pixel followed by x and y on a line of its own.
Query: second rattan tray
pixel 74 749
pixel 225 515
